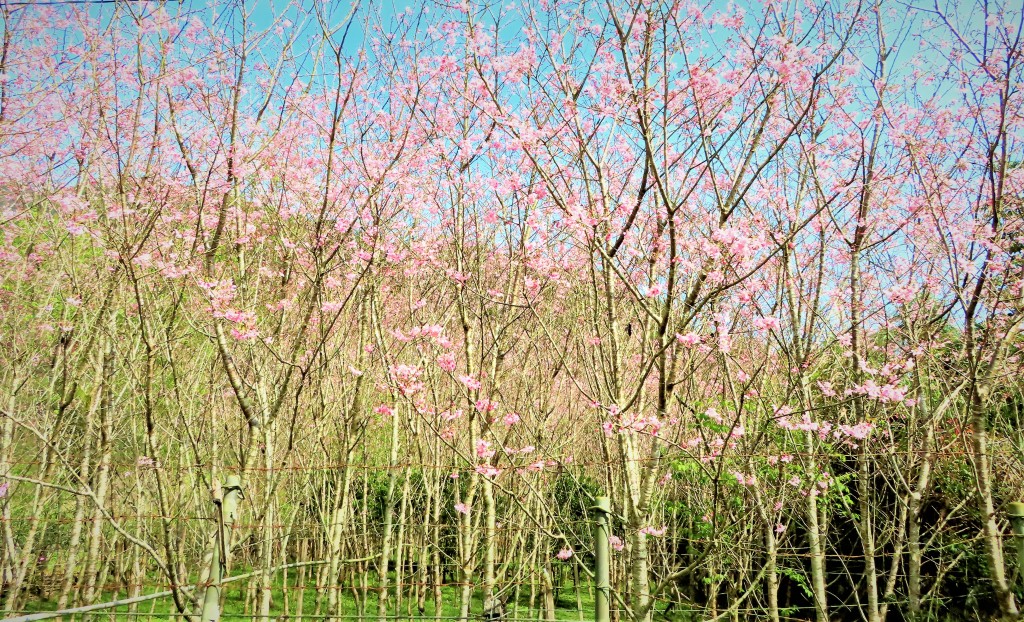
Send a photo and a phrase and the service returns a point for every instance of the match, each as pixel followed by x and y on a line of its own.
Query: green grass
pixel 235 597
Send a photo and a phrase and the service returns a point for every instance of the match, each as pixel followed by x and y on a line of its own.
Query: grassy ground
pixel 235 605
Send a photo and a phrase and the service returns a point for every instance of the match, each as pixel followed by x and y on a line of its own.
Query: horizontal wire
pixel 463 468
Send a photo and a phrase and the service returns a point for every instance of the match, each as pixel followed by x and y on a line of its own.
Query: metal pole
pixel 602 595
pixel 1016 513
pixel 228 509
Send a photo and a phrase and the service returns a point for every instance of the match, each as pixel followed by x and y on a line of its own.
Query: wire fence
pixel 357 540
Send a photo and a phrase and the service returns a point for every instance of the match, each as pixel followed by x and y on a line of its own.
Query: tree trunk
pixel 385 549
pixel 992 534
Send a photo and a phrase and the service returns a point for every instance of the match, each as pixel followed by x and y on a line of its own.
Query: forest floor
pixel 236 606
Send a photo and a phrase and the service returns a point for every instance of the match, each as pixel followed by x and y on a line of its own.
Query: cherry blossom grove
pixel 414 285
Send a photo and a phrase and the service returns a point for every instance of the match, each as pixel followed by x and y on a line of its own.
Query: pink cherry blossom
pixel 616 543
pixel 488 471
pixel 689 339
pixel 447 362
pixel 471 383
pixel 483 448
